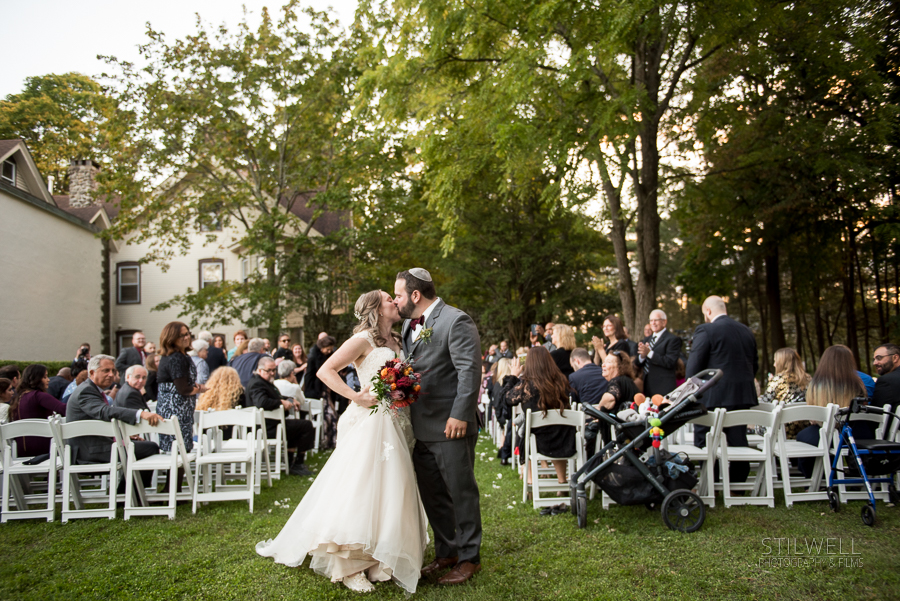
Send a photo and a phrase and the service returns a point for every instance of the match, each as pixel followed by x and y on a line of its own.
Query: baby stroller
pixel 618 470
pixel 873 458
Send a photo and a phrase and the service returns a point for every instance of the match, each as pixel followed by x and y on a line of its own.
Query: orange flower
pixel 417 388
pixel 393 387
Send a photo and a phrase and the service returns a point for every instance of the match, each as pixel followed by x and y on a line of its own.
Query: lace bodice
pixel 366 370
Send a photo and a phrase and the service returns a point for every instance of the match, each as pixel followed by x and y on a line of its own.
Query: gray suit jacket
pixel 87 402
pixel 450 363
pixel 129 398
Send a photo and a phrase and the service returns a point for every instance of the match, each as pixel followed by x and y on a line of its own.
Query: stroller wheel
pixel 684 511
pixel 580 504
pixel 868 515
pixel 833 500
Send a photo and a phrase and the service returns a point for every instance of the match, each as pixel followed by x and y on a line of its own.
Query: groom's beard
pixel 406 311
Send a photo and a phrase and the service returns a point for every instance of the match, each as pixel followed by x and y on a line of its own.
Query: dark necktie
pixel 651 344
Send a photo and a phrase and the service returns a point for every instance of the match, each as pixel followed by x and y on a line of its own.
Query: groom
pixel 444 342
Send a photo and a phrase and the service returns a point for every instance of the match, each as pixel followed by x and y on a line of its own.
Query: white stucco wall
pixel 51 271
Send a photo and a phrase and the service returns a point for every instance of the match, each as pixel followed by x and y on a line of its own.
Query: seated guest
pixel 240 337
pixel 246 363
pixel 564 339
pixel 149 349
pixel 88 402
pixel 614 330
pixel 542 387
pixel 6 396
pixel 287 381
pixel 151 386
pixel 587 379
pixel 11 373
pixel 887 389
pixel 80 376
pixel 59 382
pixel 223 391
pixel 130 395
pixel 31 401
pixel 790 379
pixel 300 433
pixel 618 370
pixel 215 356
pixel 198 354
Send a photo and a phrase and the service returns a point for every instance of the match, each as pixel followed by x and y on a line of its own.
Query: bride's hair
pixel 366 311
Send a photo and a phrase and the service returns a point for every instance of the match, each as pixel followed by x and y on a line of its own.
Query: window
pixel 212 272
pixel 128 278
pixel 8 173
pixel 245 269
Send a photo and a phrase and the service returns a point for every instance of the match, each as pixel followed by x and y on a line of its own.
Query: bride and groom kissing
pixel 363 519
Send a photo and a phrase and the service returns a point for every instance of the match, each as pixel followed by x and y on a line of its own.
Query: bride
pixel 362 520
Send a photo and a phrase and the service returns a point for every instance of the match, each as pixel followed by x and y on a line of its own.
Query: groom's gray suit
pixel 450 363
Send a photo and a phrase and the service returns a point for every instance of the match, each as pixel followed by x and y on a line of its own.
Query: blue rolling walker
pixel 873 457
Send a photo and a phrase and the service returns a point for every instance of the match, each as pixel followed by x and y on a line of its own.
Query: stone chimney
pixel 81 182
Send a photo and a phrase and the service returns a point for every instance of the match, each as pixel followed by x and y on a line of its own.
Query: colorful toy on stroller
pixel 618 470
pixel 872 458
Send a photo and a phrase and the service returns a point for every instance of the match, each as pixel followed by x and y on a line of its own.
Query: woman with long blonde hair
pixel 564 339
pixel 504 414
pixel 224 391
pixel 790 379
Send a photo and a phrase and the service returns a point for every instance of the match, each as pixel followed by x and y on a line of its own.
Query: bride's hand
pixel 365 398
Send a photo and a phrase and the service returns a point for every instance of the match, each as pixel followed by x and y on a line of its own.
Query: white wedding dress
pixel 363 512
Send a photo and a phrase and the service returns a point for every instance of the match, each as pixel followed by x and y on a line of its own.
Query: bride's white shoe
pixel 358 582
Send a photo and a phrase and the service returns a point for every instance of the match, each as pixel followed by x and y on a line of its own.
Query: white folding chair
pixel 238 443
pixel 762 488
pixel 170 462
pixel 210 456
pixel 315 408
pixel 539 484
pixel 75 491
pixel 706 488
pixel 515 412
pixel 277 444
pixel 756 440
pixel 786 449
pixel 16 471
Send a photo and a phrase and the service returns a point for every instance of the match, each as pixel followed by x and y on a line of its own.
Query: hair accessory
pixel 358 315
pixel 420 273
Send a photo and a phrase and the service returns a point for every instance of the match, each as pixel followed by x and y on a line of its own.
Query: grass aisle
pixel 624 553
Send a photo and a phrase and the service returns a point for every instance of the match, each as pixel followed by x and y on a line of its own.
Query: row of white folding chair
pixel 539 484
pixel 245 451
pixel 787 449
pixel 17 472
pixel 705 456
pixel 762 487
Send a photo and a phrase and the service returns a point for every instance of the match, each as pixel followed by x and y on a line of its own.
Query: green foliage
pixel 60 117
pixel 53 367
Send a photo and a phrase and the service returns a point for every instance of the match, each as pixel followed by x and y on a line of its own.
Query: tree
pixel 250 129
pixel 60 117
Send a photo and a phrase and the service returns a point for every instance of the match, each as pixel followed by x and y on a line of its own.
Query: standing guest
pixel 564 340
pixel 31 401
pixel 130 395
pixel 240 337
pixel 198 354
pixel 491 356
pixel 725 344
pixel 245 363
pixel 504 415
pixel 60 382
pixel 541 388
pixel 82 356
pixel 299 358
pixel 648 330
pixel 215 356
pixel 134 355
pixel 504 351
pixel 790 379
pixel 313 388
pixel 80 377
pixel 238 351
pixel 586 379
pixel 300 433
pixel 6 396
pixel 284 348
pixel 318 338
pixel 548 336
pixel 219 342
pixel 11 373
pixel 267 347
pixel 177 381
pixel 223 391
pixel 657 356
pixel 88 403
pixel 151 386
pixel 614 330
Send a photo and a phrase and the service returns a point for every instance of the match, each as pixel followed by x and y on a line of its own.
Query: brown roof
pixel 327 223
pixel 87 213
pixel 7 145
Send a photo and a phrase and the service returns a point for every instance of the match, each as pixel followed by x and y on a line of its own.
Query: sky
pixel 61 36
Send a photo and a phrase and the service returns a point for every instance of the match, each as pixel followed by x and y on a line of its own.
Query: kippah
pixel 420 273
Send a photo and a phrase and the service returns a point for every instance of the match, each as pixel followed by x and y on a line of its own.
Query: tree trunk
pixel 865 312
pixel 812 352
pixel 817 314
pixel 879 299
pixel 625 284
pixel 773 293
pixel 763 320
pixel 849 288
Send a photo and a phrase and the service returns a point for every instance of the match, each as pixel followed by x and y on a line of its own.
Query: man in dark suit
pixel 725 344
pixel 215 357
pixel 59 382
pixel 130 395
pixel 587 380
pixel 887 386
pixel 89 402
pixel 300 433
pixel 657 356
pixel 134 355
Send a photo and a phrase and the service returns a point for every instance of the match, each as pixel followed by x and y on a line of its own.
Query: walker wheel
pixel 573 494
pixel 683 510
pixel 892 494
pixel 868 515
pixel 580 503
pixel 833 501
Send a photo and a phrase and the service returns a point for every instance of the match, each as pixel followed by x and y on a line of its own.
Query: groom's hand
pixel 365 398
pixel 455 428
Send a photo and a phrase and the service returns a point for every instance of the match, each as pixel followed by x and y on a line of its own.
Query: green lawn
pixel 625 553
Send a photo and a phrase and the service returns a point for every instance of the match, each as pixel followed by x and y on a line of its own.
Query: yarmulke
pixel 420 273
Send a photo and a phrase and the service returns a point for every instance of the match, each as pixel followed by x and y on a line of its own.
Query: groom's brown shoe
pixel 461 573
pixel 438 565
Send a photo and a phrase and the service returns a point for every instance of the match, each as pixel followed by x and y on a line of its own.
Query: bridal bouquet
pixel 396 385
